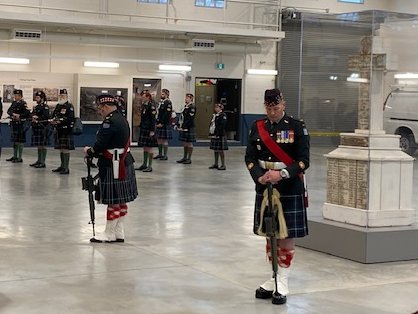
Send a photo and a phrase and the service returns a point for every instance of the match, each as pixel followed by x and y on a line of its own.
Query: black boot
pixel 261 293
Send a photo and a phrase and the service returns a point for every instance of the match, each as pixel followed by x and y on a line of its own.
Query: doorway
pixel 217 90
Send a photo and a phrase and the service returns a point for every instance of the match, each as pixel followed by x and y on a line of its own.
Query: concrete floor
pixel 189 247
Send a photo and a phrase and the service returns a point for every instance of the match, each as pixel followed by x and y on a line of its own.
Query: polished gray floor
pixel 189 247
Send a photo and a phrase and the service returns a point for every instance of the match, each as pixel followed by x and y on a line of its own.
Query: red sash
pixel 272 145
pixel 279 153
pixel 122 168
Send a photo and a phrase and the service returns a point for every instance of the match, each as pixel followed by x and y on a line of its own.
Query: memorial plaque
pixel 362 184
pixel 361 141
pixel 352 183
pixel 332 181
pixel 343 184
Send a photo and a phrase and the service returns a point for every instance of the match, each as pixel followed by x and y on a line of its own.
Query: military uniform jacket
pixel 292 137
pixel 148 116
pixel 187 117
pixel 64 113
pixel 42 111
pixel 220 124
pixel 19 107
pixel 114 132
pixel 165 109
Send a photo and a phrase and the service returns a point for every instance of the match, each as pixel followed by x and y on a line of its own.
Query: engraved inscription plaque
pixel 362 184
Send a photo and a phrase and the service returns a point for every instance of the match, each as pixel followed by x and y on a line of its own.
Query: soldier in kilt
pixel 278 153
pixel 165 109
pixel 63 122
pixel 187 129
pixel 147 138
pixel 121 103
pixel 40 128
pixel 117 180
pixel 217 134
pixel 19 113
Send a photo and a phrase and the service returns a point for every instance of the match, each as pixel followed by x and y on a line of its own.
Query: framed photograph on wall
pixel 8 93
pixel 88 95
pixel 51 93
pixel 140 84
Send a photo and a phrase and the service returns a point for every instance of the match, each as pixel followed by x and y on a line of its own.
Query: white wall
pixel 50 60
pixel 340 7
pixel 404 6
pixel 29 80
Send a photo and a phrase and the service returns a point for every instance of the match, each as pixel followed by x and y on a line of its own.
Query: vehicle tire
pixel 407 143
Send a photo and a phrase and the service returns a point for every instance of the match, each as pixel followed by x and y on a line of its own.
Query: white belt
pixel 117 151
pixel 273 165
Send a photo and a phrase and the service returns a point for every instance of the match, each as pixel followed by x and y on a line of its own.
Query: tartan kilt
pixel 144 140
pixel 164 133
pixel 189 136
pixel 294 213
pixel 64 140
pixel 219 143
pixel 18 132
pixel 40 136
pixel 114 191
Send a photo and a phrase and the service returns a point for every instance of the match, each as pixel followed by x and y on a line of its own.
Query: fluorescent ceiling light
pixel 96 64
pixel 173 67
pixel 15 60
pixel 357 80
pixel 406 76
pixel 262 72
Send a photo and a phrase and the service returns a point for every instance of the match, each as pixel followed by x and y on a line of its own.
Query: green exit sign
pixel 220 66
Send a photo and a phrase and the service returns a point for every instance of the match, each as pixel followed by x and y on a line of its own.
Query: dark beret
pixel 272 96
pixel 40 94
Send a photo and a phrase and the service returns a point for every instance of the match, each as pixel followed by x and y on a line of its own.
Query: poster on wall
pixel 140 84
pixel 8 93
pixel 88 95
pixel 51 93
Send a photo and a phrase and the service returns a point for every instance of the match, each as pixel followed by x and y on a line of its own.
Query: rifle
pixel 88 184
pixel 271 231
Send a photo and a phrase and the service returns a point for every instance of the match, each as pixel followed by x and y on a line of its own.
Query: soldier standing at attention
pixel 63 121
pixel 121 103
pixel 18 112
pixel 116 169
pixel 40 128
pixel 187 129
pixel 147 138
pixel 164 133
pixel 278 153
pixel 217 134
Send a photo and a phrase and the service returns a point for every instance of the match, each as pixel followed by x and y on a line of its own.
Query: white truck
pixel 401 117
